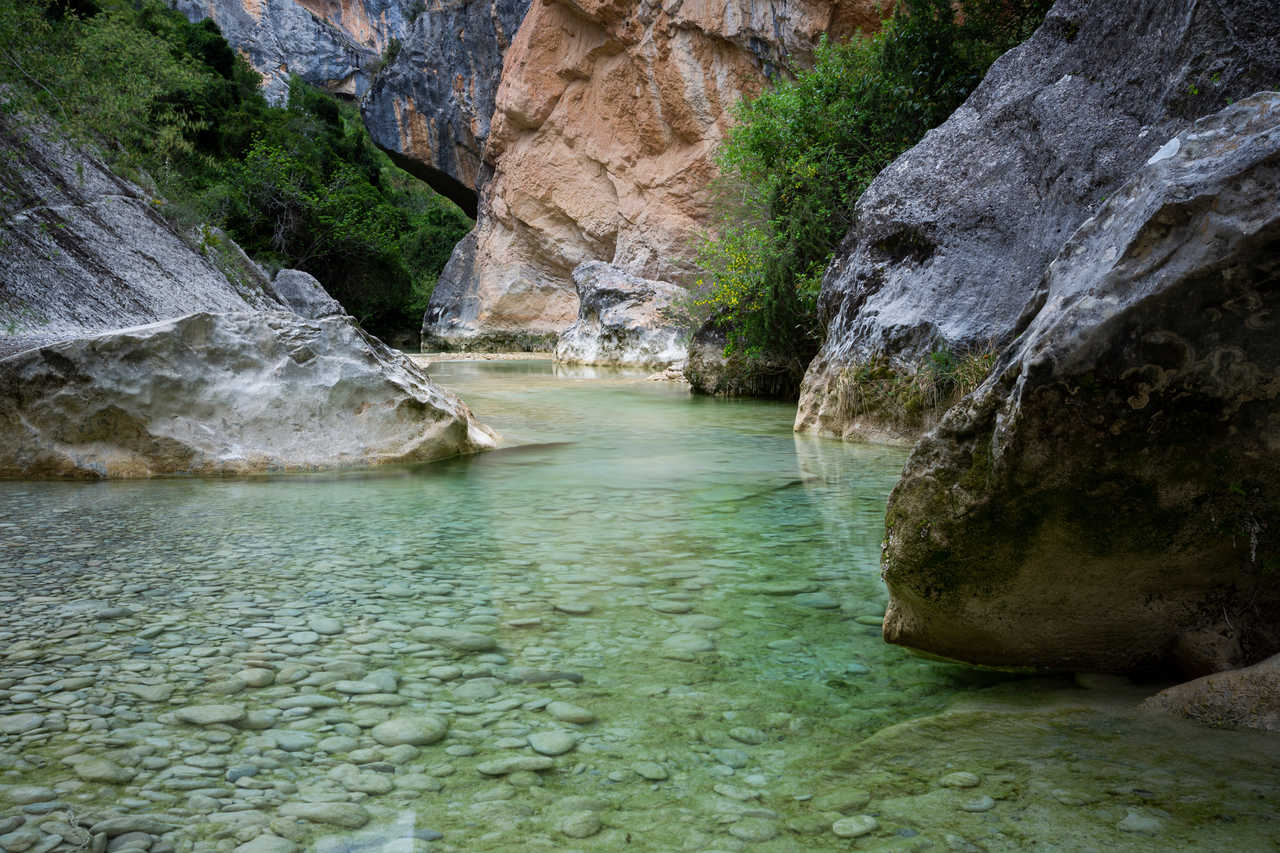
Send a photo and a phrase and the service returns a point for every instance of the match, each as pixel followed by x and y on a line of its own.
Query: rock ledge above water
pixel 223 394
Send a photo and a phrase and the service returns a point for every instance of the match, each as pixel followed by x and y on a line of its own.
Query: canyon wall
pixel 334 44
pixel 431 106
pixel 950 241
pixel 601 144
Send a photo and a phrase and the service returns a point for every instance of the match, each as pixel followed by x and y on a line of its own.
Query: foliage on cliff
pixel 800 154
pixel 172 105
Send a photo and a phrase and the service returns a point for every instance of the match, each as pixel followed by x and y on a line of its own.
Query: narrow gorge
pixel 503 425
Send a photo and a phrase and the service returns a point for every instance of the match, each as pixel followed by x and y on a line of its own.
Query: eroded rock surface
pixel 82 251
pixel 304 295
pixel 430 108
pixel 623 319
pixel 223 393
pixel 950 241
pixel 606 122
pixel 334 44
pixel 1245 698
pixel 1112 489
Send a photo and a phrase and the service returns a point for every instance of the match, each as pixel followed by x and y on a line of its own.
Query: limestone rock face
pixel 623 319
pixel 223 393
pixel 83 250
pixel 949 242
pixel 1111 494
pixel 430 108
pixel 334 44
pixel 601 145
pixel 1246 698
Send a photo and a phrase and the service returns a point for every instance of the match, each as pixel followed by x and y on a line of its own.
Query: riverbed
pixel 649 621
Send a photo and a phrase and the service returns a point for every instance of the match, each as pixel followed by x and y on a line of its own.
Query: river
pixel 648 621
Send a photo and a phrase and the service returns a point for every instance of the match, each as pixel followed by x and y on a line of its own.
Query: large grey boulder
pixel 949 241
pixel 223 393
pixel 430 108
pixel 1242 698
pixel 335 46
pixel 304 295
pixel 82 250
pixel 623 319
pixel 1109 499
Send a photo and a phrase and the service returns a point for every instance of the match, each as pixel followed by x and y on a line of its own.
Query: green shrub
pixel 800 154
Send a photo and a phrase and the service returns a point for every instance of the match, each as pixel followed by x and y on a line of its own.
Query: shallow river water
pixel 648 622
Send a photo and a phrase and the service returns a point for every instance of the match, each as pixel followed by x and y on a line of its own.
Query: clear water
pixel 701 580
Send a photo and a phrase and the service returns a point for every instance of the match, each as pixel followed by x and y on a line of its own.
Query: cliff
pixel 430 108
pixel 85 251
pixel 950 241
pixel 333 44
pixel 606 121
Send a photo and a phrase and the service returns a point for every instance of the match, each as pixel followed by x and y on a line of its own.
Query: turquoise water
pixel 699 582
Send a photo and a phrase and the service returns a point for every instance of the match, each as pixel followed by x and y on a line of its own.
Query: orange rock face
pixel 602 142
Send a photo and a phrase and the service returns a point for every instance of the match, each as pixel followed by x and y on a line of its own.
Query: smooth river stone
pixel 102 770
pixel 16 724
pixel 566 712
pixel 842 800
pixel 24 794
pixel 748 735
pixel 753 829
pixel 148 692
pixel 673 607
pixel 463 641
pixel 347 815
pixel 583 824
pixel 651 770
pixel 574 608
pixel 960 779
pixel 324 625
pixel 415 731
pixel 357 687
pixel 256 677
pixel 123 824
pixel 477 689
pixel 515 764
pixel 552 743
pixel 856 826
pixel 268 843
pixel 207 715
pixel 338 743
pixel 687 646
pixel 307 700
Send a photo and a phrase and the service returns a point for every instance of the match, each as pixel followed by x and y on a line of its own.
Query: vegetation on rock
pixel 911 401
pixel 801 154
pixel 172 106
